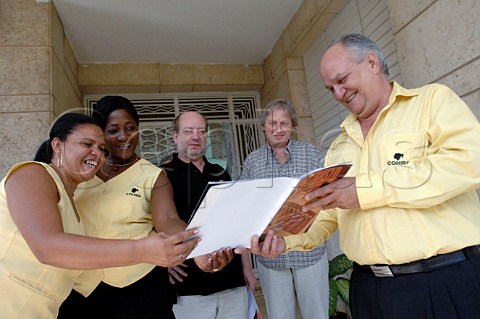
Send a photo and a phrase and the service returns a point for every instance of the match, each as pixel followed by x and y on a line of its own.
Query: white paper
pixel 244 209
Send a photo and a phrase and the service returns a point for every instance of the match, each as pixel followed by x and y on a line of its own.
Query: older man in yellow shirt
pixel 407 212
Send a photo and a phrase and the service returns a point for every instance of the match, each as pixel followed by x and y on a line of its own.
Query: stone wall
pixel 25 100
pixel 166 78
pixel 66 93
pixel 38 80
pixel 283 69
pixel 439 41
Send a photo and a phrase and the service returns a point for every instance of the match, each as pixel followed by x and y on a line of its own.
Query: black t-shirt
pixel 188 186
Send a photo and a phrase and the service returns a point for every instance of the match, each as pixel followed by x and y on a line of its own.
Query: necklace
pixel 116 167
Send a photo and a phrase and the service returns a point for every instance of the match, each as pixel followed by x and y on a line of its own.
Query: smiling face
pixel 121 136
pixel 359 87
pixel 83 153
pixel 278 127
pixel 191 136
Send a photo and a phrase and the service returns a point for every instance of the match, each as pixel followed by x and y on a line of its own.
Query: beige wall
pixel 439 41
pixel 165 78
pixel 283 69
pixel 40 78
pixel 25 100
pixel 65 92
pixel 37 78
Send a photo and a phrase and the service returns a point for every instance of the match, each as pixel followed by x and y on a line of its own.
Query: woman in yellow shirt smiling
pixel 41 242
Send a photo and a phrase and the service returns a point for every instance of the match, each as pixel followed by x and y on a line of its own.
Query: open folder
pixel 230 213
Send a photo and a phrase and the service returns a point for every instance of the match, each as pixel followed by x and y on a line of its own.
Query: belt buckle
pixel 381 271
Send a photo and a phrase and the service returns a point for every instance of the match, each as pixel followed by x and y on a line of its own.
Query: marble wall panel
pixel 277 89
pixel 70 59
pixel 24 22
pixel 227 74
pixel 176 74
pixel 119 89
pixel 25 70
pixel 65 97
pixel 464 80
pixel 473 101
pixel 402 12
pixel 118 74
pixel 278 74
pixel 300 23
pixel 439 41
pixel 57 36
pixel 299 92
pixel 275 59
pixel 24 103
pixel 22 134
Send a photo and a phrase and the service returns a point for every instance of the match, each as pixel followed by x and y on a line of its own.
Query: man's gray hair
pixel 279 104
pixel 360 45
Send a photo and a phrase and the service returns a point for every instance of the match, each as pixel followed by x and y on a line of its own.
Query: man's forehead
pixel 191 120
pixel 278 112
pixel 334 64
pixel 337 52
pixel 191 125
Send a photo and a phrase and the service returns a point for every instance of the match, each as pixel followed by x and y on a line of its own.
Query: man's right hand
pixel 272 246
pixel 341 193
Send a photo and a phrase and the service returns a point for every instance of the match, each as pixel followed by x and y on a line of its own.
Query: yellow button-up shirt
pixel 416 174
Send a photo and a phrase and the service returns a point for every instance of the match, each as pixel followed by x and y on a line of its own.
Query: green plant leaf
pixel 339 265
pixel 332 297
pixel 343 286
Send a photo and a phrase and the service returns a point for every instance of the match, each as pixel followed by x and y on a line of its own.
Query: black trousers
pixel 446 293
pixel 149 297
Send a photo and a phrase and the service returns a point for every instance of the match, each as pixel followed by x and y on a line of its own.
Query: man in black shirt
pixel 222 293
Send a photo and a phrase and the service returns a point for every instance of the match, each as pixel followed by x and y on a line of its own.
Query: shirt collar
pixel 286 148
pixel 397 90
pixel 179 162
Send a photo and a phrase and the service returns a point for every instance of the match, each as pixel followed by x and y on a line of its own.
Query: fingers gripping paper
pixel 230 213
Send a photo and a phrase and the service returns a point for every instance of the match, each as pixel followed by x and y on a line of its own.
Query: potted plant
pixel 339 283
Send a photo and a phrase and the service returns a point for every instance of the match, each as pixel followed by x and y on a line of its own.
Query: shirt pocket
pixel 403 149
pixel 33 285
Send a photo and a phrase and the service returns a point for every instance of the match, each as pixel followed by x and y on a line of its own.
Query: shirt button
pixel 370 246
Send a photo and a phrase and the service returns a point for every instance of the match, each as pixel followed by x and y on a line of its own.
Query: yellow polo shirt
pixel 28 288
pixel 117 209
pixel 416 175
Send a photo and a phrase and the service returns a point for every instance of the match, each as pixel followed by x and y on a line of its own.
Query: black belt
pixel 424 265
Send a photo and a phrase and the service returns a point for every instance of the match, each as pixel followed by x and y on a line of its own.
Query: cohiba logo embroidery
pixel 134 192
pixel 397 157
